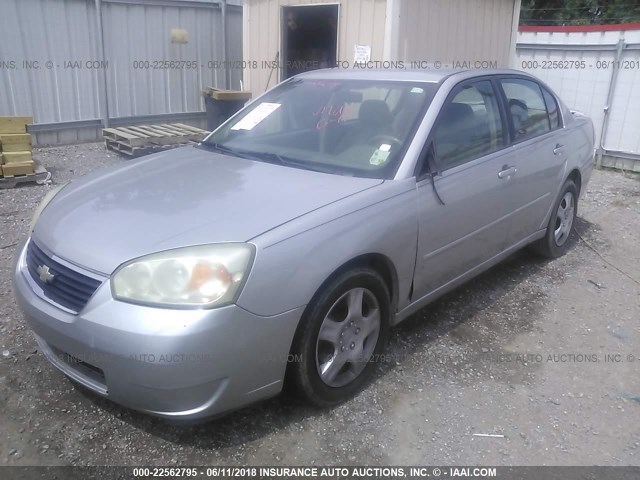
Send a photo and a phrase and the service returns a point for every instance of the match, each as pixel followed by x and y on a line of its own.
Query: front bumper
pixel 171 363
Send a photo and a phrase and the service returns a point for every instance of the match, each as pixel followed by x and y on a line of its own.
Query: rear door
pixel 539 153
pixel 468 150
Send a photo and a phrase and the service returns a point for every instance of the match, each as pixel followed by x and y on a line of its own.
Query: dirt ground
pixel 546 354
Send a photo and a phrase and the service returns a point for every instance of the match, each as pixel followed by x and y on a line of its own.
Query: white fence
pixel 595 72
pixel 78 65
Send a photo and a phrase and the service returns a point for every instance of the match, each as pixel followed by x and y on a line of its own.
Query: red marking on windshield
pixel 330 111
pixel 328 114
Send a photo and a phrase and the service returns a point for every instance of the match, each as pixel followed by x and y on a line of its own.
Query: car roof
pixel 430 76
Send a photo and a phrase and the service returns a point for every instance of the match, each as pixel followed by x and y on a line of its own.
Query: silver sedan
pixel 282 248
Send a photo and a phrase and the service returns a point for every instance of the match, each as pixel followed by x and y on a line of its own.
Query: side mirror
pixel 430 167
pixel 429 164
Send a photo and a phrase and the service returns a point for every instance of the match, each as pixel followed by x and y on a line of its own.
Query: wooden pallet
pixel 40 176
pixel 119 147
pixel 144 139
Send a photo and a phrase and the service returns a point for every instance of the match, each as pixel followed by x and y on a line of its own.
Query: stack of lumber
pixel 219 94
pixel 15 146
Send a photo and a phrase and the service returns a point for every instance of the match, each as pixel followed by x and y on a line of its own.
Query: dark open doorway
pixel 309 38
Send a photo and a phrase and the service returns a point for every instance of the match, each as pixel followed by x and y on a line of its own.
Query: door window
pixel 527 109
pixel 469 125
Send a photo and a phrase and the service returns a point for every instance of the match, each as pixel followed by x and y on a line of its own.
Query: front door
pixel 471 157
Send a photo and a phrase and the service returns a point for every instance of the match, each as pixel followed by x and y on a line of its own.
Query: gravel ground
pixel 520 352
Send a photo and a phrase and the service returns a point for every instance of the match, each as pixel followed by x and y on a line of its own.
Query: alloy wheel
pixel 564 219
pixel 348 337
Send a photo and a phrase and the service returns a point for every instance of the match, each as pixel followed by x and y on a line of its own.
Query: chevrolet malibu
pixel 282 248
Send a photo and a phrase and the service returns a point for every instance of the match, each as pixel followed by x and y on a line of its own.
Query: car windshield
pixel 349 127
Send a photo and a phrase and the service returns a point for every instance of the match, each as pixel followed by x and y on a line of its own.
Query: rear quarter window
pixel 552 109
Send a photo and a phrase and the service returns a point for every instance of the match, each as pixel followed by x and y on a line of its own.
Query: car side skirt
pixel 447 287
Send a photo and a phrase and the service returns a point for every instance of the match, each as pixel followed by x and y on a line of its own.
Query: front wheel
pixel 555 242
pixel 343 330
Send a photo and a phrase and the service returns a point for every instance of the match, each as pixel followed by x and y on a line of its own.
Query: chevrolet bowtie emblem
pixel 45 274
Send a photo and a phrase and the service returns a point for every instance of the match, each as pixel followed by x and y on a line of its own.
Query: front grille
pixel 67 287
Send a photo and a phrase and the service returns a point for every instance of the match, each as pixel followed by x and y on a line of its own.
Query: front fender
pixel 294 260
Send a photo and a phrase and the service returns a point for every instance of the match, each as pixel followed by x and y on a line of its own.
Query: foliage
pixel 579 12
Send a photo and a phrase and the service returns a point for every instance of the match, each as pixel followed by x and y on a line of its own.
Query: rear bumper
pixel 171 363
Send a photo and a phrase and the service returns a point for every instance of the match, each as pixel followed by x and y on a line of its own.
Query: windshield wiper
pixel 264 157
pixel 228 150
pixel 241 153
pixel 289 162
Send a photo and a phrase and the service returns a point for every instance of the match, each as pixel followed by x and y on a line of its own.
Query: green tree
pixel 579 12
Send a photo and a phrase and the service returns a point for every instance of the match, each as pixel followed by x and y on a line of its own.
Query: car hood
pixel 182 197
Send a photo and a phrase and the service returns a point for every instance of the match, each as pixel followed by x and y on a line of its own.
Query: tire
pixel 556 240
pixel 319 349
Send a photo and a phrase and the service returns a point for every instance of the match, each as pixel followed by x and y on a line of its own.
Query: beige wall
pixel 455 30
pixel 443 30
pixel 365 20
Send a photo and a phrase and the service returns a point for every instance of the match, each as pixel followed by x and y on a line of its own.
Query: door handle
pixel 507 171
pixel 558 149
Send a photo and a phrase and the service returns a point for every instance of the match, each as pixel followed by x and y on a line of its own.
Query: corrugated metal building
pixel 420 33
pixel 77 65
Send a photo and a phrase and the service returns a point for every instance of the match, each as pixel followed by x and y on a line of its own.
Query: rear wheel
pixel 342 331
pixel 555 241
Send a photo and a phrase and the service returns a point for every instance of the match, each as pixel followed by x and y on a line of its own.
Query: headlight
pixel 43 204
pixel 202 276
